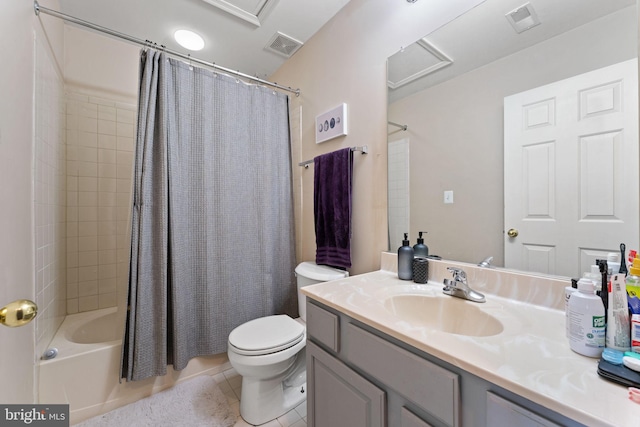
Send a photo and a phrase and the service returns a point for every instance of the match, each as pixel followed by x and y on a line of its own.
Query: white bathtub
pixel 86 372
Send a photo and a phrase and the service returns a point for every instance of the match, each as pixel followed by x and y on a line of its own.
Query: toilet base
pixel 262 401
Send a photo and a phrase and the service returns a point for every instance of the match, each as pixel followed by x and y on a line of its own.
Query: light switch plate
pixel 448 196
pixel 331 124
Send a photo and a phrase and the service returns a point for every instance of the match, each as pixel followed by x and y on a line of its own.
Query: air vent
pixel 283 44
pixel 523 18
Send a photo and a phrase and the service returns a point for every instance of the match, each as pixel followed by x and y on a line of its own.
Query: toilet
pixel 269 354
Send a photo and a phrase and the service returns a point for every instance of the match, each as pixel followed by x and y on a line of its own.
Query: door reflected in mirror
pixel 448 169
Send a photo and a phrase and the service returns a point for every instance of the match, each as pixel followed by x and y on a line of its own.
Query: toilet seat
pixel 266 335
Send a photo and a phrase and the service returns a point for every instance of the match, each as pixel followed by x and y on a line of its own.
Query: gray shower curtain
pixel 212 224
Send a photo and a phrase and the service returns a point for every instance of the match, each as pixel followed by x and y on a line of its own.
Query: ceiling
pixel 484 35
pixel 235 31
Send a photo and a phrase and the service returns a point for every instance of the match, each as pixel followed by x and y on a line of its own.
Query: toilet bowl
pixel 269 354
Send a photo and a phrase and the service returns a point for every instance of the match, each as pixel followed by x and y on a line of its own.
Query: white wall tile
pixel 52 125
pixel 87 124
pixel 87 183
pixel 107 113
pixel 107 127
pixel 88 303
pixel 107 141
pixel 107 185
pixel 107 156
pixel 107 300
pixel 98 204
pixel 87 139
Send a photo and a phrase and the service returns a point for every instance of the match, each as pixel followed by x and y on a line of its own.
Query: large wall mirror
pixel 482 140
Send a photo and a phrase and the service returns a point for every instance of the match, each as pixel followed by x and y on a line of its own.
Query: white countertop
pixel 530 357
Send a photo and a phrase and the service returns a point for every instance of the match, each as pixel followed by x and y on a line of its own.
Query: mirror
pixel 447 168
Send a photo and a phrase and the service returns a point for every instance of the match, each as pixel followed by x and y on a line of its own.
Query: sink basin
pixel 446 314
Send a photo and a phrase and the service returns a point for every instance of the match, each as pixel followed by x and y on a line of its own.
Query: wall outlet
pixel 448 196
pixel 331 124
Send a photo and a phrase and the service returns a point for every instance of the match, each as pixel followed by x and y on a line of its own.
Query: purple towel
pixel 332 208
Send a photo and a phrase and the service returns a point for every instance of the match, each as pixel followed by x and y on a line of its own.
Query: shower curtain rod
pixel 148 43
pixel 364 149
pixel 402 127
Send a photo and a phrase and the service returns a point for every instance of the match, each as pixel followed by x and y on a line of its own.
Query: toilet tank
pixel 309 273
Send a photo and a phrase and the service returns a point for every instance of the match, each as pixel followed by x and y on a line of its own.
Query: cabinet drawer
pixel 434 389
pixel 409 419
pixel 501 412
pixel 323 326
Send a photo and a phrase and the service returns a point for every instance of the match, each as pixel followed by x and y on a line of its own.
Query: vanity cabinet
pixel 359 376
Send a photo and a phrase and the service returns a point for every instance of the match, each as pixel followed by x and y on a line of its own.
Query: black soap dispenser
pixel 405 259
pixel 420 249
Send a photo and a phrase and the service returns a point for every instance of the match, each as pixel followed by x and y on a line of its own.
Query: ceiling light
pixel 189 40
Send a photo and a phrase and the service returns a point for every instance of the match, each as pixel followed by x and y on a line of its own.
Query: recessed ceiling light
pixel 189 40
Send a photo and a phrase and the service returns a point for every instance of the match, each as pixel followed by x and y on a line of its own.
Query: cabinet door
pixel 340 397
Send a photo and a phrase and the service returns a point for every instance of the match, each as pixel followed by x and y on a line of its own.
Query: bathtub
pixel 86 372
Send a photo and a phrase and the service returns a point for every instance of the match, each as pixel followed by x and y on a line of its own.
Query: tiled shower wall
pixel 100 141
pixel 48 194
pixel 398 202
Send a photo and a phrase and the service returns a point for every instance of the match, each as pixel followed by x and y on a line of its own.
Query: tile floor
pixel 231 383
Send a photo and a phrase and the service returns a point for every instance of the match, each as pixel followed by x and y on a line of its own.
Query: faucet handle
pixel 458 274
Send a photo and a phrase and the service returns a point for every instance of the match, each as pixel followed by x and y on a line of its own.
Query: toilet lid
pixel 266 335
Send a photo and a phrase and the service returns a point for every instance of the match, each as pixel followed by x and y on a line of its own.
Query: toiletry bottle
pixel 420 249
pixel 613 263
pixel 405 259
pixel 568 290
pixel 635 333
pixel 594 274
pixel 632 286
pixel 618 336
pixel 604 288
pixel 586 320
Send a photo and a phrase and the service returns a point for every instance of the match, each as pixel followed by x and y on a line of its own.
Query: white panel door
pixel 17 345
pixel 571 171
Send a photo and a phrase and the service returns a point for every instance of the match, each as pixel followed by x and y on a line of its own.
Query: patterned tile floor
pixel 231 383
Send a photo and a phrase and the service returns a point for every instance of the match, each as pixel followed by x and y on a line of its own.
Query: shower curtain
pixel 212 223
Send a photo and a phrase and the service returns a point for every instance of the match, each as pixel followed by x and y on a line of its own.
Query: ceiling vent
pixel 254 14
pixel 283 44
pixel 523 18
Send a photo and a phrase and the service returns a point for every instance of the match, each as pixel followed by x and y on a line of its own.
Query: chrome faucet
pixel 486 262
pixel 458 287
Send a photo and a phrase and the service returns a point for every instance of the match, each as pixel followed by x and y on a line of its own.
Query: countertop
pixel 530 357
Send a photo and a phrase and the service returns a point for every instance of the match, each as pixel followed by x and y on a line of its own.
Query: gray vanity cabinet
pixel 358 376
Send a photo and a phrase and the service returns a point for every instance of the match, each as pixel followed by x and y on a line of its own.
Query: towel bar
pixel 364 149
